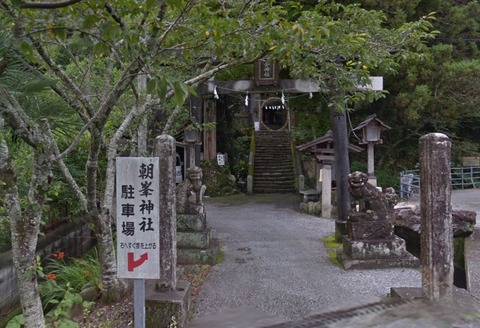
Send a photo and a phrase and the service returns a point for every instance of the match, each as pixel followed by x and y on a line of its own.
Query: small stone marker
pixel 437 236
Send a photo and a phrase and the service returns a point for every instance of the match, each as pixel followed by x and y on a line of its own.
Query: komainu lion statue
pixel 190 193
pixel 373 205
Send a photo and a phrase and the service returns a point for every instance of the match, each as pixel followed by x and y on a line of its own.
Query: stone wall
pixel 73 239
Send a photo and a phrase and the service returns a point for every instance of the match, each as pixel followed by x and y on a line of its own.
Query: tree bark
pixel 25 224
pixel 101 220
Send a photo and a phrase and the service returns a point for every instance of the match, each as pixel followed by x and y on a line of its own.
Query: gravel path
pixel 276 263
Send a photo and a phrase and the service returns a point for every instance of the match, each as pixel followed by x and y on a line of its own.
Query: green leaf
pixel 89 21
pixel 67 324
pixel 152 86
pixel 180 94
pixel 17 322
pixel 191 90
pixel 100 48
pixel 60 33
pixel 162 88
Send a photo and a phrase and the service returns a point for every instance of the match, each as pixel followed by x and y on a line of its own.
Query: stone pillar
pixel 301 182
pixel 191 155
pixel 165 150
pixel 166 298
pixel 327 191
pixel 436 231
pixel 371 164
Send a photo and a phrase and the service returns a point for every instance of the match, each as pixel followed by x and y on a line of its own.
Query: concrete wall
pixel 72 239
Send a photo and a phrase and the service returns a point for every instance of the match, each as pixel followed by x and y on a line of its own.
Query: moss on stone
pixel 332 247
pixel 221 256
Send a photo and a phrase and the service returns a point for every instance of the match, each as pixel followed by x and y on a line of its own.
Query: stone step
pixel 241 317
pixel 265 167
pixel 274 147
pixel 279 155
pixel 273 183
pixel 194 239
pixel 273 190
pixel 199 256
pixel 273 164
pixel 276 176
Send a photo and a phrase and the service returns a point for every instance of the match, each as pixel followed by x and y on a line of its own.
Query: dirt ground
pixel 120 314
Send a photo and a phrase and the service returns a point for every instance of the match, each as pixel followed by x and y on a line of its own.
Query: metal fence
pixel 464 177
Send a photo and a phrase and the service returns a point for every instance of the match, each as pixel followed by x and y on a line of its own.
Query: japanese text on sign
pixel 138 220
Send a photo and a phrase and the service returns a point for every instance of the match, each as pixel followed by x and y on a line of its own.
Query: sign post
pixel 138 225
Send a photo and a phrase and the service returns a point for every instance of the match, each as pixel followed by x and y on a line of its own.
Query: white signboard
pixel 220 159
pixel 376 84
pixel 138 218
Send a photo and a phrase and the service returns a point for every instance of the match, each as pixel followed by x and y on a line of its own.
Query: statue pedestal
pixel 369 230
pixel 376 254
pixel 195 244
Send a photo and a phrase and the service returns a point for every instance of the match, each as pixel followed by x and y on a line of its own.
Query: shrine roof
pixel 370 119
pixel 327 140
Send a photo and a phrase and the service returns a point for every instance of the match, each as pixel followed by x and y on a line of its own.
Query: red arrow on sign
pixel 132 263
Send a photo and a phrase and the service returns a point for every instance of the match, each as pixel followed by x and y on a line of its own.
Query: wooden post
pixel 165 150
pixel 210 136
pixel 342 164
pixel 436 217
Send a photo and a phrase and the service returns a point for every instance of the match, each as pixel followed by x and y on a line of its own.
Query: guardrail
pixel 464 177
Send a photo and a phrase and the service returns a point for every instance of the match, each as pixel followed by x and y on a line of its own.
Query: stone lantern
pixel 322 149
pixel 371 131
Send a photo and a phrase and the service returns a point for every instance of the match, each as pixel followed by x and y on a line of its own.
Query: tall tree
pixel 24 210
pixel 176 45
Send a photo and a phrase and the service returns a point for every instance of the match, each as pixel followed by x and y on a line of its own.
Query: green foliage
pixel 218 179
pixel 62 314
pixel 435 91
pixel 60 290
pixel 61 287
pixel 17 322
pixel 78 272
pixel 5 237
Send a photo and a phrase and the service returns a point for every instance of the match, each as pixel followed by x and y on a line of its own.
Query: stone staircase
pixel 273 165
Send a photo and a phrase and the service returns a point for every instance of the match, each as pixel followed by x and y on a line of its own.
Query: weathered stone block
pixel 191 222
pixel 194 239
pixel 375 254
pixel 368 249
pixel 198 256
pixel 463 221
pixel 161 308
pixel 370 230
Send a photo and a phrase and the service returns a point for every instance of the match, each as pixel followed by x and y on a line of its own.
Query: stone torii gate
pixel 253 89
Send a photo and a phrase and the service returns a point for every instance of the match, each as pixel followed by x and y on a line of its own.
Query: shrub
pixel 218 179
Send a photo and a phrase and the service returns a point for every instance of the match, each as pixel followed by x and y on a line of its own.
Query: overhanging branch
pixel 48 5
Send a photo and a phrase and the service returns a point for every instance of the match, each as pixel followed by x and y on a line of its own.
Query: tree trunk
pixel 25 225
pixel 112 286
